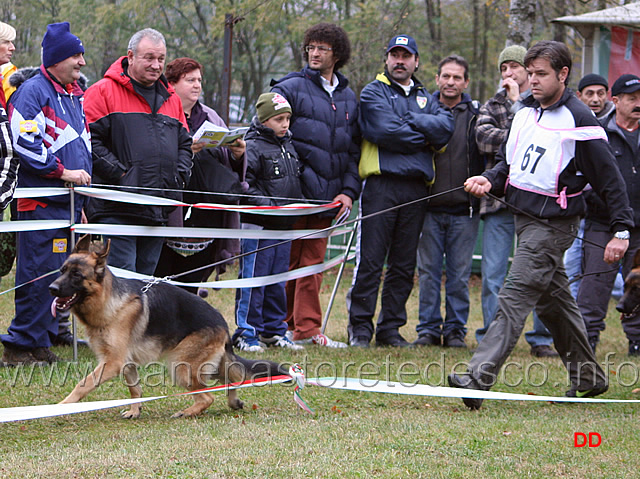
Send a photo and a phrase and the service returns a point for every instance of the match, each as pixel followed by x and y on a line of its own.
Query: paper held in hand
pixel 214 135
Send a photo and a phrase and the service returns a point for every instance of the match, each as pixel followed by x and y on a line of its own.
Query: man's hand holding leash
pixel 615 250
pixel 477 186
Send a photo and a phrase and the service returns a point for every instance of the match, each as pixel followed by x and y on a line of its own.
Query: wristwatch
pixel 623 235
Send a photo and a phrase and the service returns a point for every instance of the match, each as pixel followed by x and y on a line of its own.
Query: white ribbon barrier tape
pixel 51 410
pixel 39 192
pixel 33 225
pixel 350 384
pixel 246 282
pixel 390 387
pixel 294 209
pixel 176 232
pixel 124 197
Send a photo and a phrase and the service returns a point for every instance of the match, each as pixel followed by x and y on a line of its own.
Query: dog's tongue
pixel 56 301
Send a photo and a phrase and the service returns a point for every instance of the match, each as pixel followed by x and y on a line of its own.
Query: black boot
pixel 65 337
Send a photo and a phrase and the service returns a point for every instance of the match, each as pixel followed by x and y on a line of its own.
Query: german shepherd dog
pixel 128 326
pixel 629 304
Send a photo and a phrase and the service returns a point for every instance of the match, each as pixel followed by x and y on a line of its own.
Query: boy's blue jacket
pixel 401 132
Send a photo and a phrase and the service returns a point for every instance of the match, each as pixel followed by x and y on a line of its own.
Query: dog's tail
pixel 250 368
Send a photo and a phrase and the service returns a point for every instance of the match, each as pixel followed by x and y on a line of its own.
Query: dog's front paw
pixel 133 413
pixel 236 404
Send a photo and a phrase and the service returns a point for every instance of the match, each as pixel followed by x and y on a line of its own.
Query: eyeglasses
pixel 320 48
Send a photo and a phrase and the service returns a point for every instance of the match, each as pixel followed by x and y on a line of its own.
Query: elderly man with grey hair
pixel 140 139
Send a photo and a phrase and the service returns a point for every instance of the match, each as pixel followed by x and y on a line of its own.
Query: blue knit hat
pixel 59 44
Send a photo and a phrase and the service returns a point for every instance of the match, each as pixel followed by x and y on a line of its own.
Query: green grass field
pixel 352 434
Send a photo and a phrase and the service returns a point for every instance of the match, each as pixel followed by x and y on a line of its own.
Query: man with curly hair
pixel 325 132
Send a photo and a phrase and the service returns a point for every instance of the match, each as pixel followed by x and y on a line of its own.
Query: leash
pixel 535 218
pixel 150 283
pixel 314 232
pixel 575 236
pixel 30 281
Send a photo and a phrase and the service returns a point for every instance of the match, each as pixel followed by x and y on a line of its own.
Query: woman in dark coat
pixel 219 170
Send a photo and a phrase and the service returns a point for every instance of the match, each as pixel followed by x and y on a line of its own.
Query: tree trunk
pixel 522 17
pixel 485 52
pixel 434 22
pixel 559 31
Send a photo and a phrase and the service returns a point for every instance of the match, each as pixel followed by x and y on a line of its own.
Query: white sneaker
pixel 251 346
pixel 281 342
pixel 289 335
pixel 322 340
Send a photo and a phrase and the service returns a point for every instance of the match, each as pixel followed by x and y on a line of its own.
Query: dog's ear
pixel 83 244
pixel 636 259
pixel 104 252
pixel 102 255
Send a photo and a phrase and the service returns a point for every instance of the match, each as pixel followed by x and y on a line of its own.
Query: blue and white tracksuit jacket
pixel 50 134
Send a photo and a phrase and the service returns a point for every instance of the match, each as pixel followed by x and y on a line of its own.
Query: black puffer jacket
pixel 325 134
pixel 273 174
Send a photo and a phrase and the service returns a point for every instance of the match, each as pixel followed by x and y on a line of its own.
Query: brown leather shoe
pixel 18 357
pixel 45 354
pixel 543 351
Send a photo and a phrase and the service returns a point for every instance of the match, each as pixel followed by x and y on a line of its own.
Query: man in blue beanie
pixel 51 136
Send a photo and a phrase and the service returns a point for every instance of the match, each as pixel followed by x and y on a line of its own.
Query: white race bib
pixel 538 151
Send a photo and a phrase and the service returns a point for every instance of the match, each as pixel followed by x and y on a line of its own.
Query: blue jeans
pixel 497 241
pixel 573 260
pixel 133 253
pixel 453 237
pixel 262 310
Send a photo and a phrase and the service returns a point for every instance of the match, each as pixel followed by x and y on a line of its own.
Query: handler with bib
pixel 554 148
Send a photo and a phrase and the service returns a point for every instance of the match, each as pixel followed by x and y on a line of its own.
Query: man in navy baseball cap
pixel 403 41
pixel 402 59
pixel 627 83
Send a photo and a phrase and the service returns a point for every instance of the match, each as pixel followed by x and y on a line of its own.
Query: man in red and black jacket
pixel 140 138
